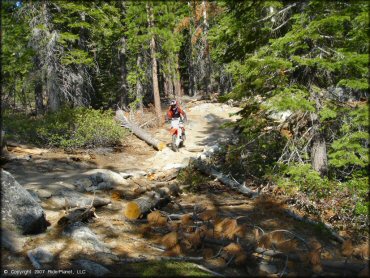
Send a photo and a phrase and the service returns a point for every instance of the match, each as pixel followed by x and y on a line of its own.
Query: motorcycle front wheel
pixel 174 147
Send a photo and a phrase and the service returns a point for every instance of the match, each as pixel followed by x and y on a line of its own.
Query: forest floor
pixel 132 248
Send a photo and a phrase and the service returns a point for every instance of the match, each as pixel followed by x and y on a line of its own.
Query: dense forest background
pixel 298 69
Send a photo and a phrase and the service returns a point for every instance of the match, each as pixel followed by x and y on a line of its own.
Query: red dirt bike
pixel 177 132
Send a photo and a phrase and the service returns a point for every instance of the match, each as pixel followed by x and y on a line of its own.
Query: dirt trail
pixel 52 170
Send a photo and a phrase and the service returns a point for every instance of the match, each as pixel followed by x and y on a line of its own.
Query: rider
pixel 174 111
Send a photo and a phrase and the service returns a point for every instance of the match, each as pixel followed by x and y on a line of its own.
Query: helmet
pixel 173 103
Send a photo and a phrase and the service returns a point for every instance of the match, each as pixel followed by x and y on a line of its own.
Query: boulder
pixel 39 256
pixel 104 175
pixel 70 199
pixel 85 237
pixel 19 209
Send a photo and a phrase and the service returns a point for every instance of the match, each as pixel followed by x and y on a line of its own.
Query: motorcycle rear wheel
pixel 174 147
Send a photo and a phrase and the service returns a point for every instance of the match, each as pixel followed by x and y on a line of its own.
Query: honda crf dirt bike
pixel 178 133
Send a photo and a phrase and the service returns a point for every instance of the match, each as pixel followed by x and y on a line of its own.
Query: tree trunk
pixel 191 65
pixel 176 81
pixel 319 159
pixel 206 57
pixel 165 86
pixel 318 154
pixel 52 91
pixel 157 99
pixel 39 103
pixel 139 85
pixel 139 132
pixel 122 97
pixel 52 86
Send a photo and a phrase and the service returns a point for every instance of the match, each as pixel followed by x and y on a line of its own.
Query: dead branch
pixel 277 13
pixel 307 220
pixel 293 234
pixel 206 169
pixel 208 270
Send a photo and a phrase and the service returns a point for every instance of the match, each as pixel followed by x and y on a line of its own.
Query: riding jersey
pixel 175 113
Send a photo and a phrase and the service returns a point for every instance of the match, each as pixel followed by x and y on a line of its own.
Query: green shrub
pixel 191 177
pixel 303 178
pixel 67 128
pixel 359 188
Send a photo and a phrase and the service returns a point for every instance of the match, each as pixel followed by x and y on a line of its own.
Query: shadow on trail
pixel 213 130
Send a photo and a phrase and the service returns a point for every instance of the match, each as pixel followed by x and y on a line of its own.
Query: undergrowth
pixel 67 128
pixel 191 177
pixel 342 203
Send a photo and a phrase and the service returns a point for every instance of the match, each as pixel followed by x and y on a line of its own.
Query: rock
pixel 104 175
pixel 101 186
pixel 202 156
pixel 134 174
pixel 174 166
pixel 280 116
pixel 125 175
pixel 82 184
pixel 11 241
pixel 92 268
pixel 106 258
pixel 19 209
pixel 209 118
pixel 195 149
pixel 42 193
pixel 104 186
pixel 268 268
pixel 40 256
pixel 83 235
pixel 91 189
pixel 34 195
pixel 69 198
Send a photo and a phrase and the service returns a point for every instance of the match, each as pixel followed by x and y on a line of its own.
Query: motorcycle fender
pixel 173 131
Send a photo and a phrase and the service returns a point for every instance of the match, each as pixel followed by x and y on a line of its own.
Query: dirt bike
pixel 178 133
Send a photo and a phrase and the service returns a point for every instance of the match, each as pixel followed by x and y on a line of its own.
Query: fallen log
pixel 142 205
pixel 150 200
pixel 139 132
pixel 208 170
